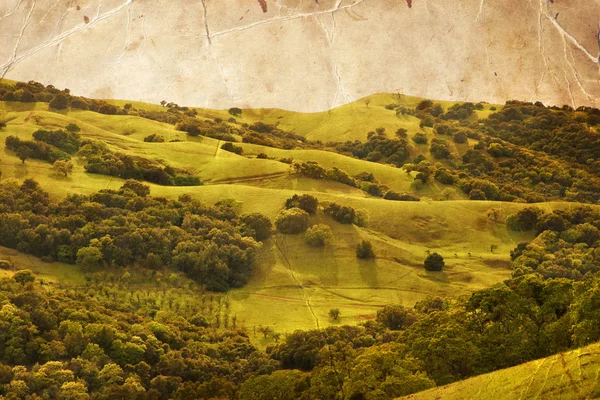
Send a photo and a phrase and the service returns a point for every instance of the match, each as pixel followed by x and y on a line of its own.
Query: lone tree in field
pixel 24 153
pixel 63 167
pixel 235 111
pixel 434 262
pixel 364 250
pixel 334 313
pixel 265 330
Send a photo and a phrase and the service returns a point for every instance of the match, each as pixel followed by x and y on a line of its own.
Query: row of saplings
pixel 294 219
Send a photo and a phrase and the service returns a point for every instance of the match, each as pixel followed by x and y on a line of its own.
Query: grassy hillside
pixel 350 121
pixel 299 283
pixel 566 376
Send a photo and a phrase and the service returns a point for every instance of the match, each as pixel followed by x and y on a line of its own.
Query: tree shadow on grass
pixel 368 272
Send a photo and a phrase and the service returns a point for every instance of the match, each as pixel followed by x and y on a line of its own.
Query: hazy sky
pixel 305 55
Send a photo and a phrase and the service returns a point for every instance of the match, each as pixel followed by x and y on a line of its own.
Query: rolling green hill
pixel 565 376
pixel 300 282
pixel 303 283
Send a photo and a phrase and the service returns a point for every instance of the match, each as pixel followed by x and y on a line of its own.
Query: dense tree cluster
pixel 63 344
pixel 567 245
pixel 377 148
pixel 100 160
pixel 211 245
pixel 232 148
pixel 67 141
pixel 25 149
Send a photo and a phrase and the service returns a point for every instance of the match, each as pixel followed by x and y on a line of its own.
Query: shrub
pixel 260 226
pixel 73 128
pixel 186 180
pixel 420 138
pixel 460 137
pixel 318 235
pixel 434 262
pixel 232 148
pixel 310 169
pixel 342 214
pixel 364 250
pixel 336 174
pixel 334 313
pixel 63 167
pixel 305 202
pixel 392 195
pixel 444 176
pixel 365 176
pixel 439 149
pixel 154 138
pixel 292 221
pixel 374 189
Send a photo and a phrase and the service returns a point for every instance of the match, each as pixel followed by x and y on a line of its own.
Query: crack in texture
pixel 336 8
pixel 548 14
pixel 11 12
pixel 57 40
pixel 16 49
pixel 480 13
pixel 206 21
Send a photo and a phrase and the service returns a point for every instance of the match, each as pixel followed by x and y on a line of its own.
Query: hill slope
pixel 566 376
pixel 300 282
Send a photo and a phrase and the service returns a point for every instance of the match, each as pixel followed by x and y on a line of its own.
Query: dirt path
pixel 281 244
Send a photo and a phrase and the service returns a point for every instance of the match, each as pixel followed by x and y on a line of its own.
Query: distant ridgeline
pixel 523 152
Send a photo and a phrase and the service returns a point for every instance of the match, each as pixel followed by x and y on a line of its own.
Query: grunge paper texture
pixel 305 55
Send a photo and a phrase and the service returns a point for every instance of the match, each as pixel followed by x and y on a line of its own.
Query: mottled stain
pixel 86 19
pixel 103 93
pixel 263 5
pixel 409 3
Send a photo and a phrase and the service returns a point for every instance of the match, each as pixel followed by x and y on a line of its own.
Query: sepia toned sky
pixel 305 55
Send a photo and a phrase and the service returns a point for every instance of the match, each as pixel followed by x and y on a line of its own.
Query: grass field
pixel 567 376
pixel 296 283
